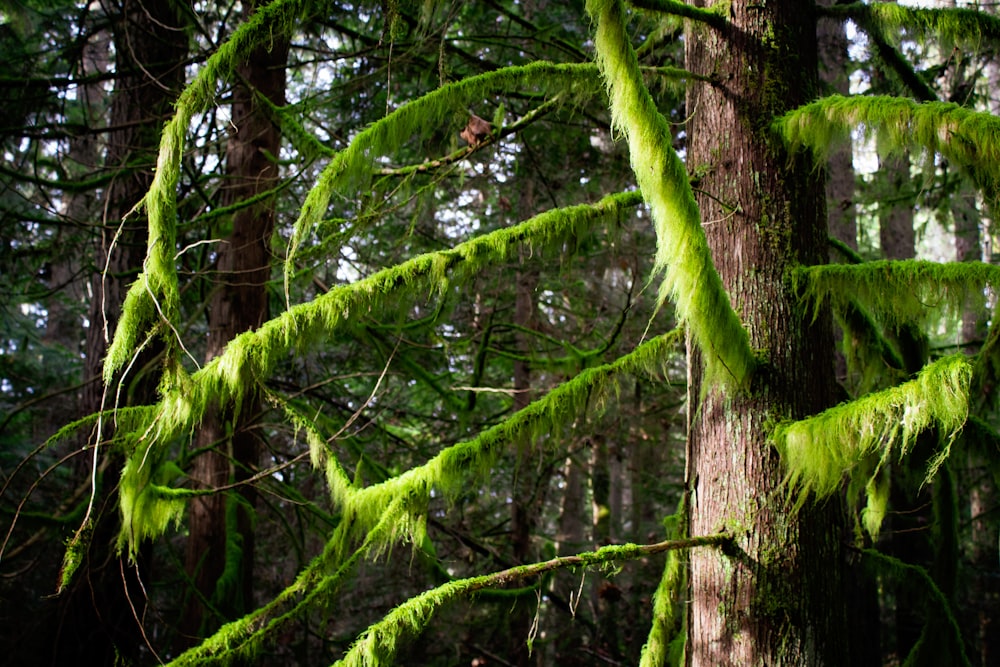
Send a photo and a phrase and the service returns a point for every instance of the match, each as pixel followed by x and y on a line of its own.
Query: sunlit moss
pixel 858 440
pixel 967 138
pixel 899 292
pixel 682 255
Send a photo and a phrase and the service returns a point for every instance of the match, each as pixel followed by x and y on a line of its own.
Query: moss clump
pixel 858 439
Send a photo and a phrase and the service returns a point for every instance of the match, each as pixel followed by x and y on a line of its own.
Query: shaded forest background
pixel 426 359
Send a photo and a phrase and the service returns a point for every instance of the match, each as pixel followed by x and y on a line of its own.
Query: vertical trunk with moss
pixel 220 549
pixel 777 596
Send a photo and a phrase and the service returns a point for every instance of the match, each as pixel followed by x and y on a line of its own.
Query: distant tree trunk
pixel 98 613
pixel 895 211
pixel 220 552
pixel 524 500
pixel 833 72
pixel 778 596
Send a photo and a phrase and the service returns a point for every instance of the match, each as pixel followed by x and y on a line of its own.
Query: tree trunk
pixel 238 303
pixel 777 596
pixel 99 612
pixel 833 72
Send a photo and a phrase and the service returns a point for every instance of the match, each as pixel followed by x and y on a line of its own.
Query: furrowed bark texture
pixel 777 597
pixel 239 303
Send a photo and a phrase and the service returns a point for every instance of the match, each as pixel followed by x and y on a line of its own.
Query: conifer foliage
pixel 504 331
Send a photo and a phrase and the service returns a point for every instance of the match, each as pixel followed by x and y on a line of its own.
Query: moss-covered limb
pixel 449 472
pixel 938 610
pixel 858 439
pixel 155 295
pixel 849 253
pixel 380 643
pixel 715 16
pixel 667 633
pixel 968 138
pixel 898 67
pixel 682 253
pixel 313 585
pixel 249 358
pixel 898 292
pixel 351 166
pixel 456 156
pixel 966 27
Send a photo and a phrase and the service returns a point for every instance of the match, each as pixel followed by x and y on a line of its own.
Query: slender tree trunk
pixel 220 548
pixel 524 501
pixel 777 597
pixel 833 71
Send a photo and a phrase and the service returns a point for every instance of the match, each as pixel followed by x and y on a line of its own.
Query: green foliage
pixel 898 292
pixel 350 168
pixel 970 139
pixel 690 279
pixel 859 439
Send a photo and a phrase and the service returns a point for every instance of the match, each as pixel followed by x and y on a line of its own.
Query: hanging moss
pixel 682 254
pixel 350 168
pixel 859 439
pixel 250 357
pixel 667 634
pixel 898 292
pixel 155 296
pixel 968 138
pixel 872 361
pixel 714 15
pixel 970 28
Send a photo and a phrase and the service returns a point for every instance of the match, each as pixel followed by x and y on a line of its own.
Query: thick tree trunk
pixel 238 303
pixel 778 596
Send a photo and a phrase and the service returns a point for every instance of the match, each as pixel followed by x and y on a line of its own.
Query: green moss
pixel 968 138
pixel 857 440
pixel 682 256
pixel 898 292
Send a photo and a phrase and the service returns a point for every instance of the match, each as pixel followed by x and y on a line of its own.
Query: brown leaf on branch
pixel 476 130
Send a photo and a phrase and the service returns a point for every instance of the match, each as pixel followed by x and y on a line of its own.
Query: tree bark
pixel 777 597
pixel 238 303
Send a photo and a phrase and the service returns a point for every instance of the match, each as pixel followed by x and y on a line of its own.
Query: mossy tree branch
pixel 859 439
pixel 379 644
pixel 682 254
pixel 149 506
